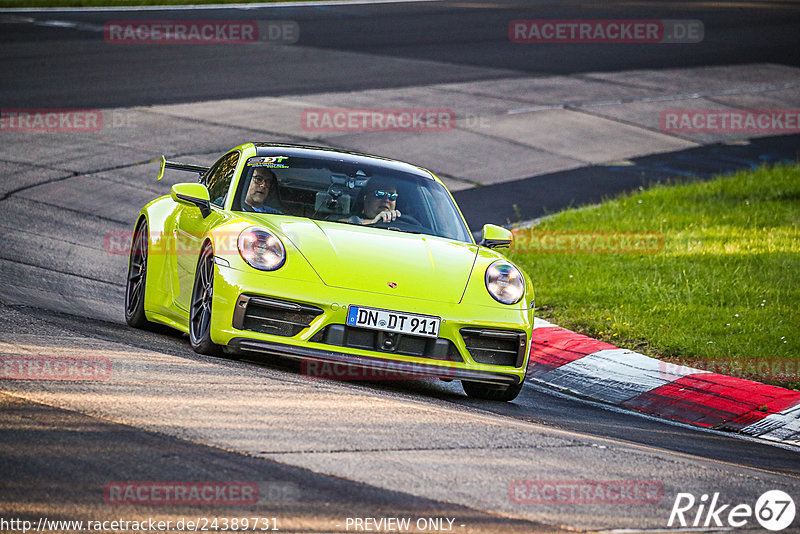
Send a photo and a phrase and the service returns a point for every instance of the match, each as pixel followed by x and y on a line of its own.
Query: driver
pixel 379 201
pixel 262 183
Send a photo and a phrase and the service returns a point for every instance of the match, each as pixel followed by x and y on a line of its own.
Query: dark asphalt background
pixel 52 66
pixel 49 66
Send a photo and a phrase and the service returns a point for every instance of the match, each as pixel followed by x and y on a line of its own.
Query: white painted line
pixel 615 375
pixel 782 426
pixel 539 107
pixel 541 323
pixel 192 7
pixel 548 389
pixel 68 24
pixel 13 19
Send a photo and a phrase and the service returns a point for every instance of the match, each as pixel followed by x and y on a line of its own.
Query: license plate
pixel 392 321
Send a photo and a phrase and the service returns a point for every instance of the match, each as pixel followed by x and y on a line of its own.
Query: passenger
pixel 378 201
pixel 263 183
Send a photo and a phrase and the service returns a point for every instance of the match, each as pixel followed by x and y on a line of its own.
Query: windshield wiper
pixel 396 229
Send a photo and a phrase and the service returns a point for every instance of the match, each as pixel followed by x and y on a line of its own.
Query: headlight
pixel 504 282
pixel 261 249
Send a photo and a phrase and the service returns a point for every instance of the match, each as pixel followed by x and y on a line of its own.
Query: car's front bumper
pixel 308 343
pixel 376 368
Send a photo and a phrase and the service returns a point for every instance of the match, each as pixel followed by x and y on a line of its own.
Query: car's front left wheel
pixel 200 308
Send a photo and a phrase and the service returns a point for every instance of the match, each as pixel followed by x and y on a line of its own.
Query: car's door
pixel 191 227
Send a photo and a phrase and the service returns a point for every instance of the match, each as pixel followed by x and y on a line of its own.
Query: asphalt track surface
pixel 411 44
pixel 499 203
pixel 429 451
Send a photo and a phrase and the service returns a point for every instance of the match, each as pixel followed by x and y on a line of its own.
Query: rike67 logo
pixel 774 510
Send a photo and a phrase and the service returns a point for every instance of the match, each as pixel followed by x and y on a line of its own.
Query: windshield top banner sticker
pixel 275 162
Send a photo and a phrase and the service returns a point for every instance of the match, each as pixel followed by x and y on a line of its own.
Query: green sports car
pixel 335 258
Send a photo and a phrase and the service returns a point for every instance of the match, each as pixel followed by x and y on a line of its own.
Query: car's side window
pixel 218 179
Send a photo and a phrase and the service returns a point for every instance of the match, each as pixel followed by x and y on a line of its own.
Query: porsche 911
pixel 331 257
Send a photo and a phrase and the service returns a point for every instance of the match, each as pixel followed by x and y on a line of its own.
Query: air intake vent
pixel 272 316
pixel 495 347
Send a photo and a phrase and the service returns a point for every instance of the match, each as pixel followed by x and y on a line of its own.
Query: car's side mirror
pixel 496 236
pixel 193 195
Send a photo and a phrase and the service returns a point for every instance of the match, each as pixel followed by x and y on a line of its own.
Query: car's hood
pixel 370 259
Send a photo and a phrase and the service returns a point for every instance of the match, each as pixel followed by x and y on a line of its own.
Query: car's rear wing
pixel 179 166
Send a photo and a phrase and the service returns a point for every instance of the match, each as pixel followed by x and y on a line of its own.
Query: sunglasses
pixel 259 179
pixel 381 194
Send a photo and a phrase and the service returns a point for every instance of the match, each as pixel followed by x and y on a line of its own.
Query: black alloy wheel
pixel 137 280
pixel 200 308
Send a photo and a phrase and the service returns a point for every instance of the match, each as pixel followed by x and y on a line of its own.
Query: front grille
pixel 389 342
pixel 272 316
pixel 495 347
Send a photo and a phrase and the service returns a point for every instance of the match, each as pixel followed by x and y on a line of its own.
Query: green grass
pixel 724 290
pixel 119 3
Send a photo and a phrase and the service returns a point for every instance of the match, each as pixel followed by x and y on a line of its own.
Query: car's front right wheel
pixel 479 390
pixel 137 280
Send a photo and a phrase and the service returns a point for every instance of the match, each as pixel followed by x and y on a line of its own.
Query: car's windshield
pixel 348 193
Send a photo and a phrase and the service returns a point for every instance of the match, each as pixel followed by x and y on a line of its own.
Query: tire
pixel 479 390
pixel 200 307
pixel 137 280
